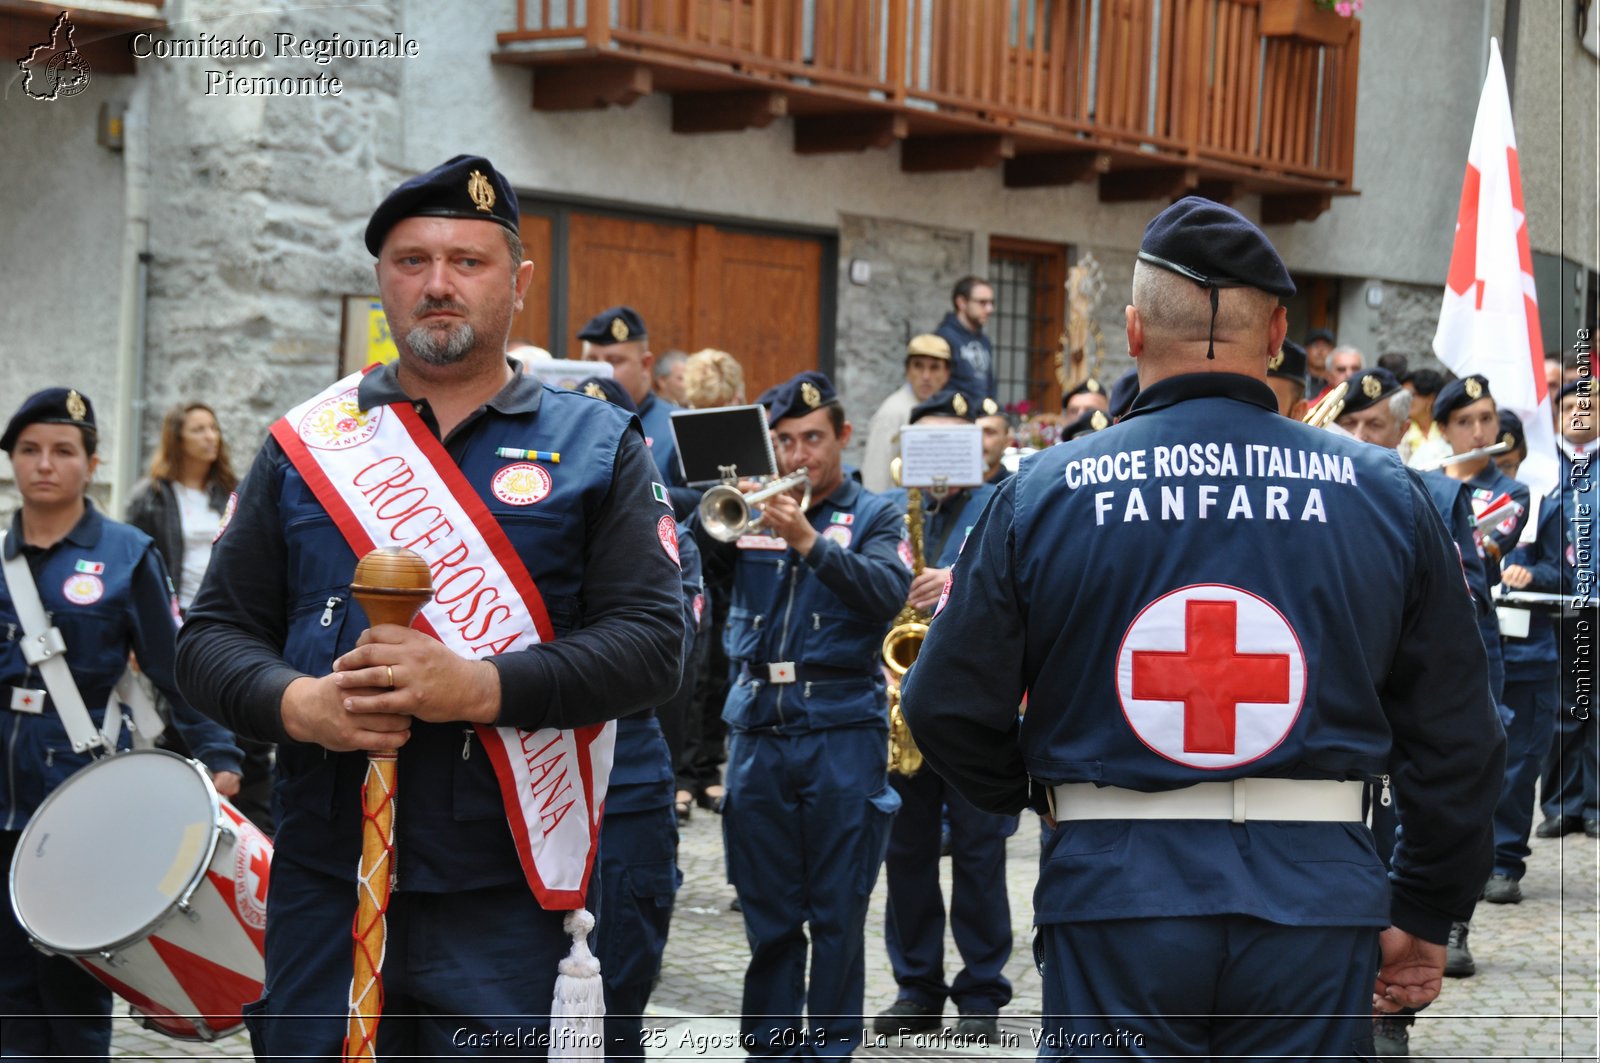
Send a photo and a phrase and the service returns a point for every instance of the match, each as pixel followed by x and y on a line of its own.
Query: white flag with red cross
pixel 1489 321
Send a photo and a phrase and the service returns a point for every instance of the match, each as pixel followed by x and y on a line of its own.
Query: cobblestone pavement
pixel 1533 998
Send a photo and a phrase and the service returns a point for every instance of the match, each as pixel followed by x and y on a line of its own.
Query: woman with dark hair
pixel 180 506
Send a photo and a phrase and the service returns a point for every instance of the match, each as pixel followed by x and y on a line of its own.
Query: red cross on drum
pixel 1211 676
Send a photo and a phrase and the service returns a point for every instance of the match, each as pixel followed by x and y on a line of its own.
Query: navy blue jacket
pixel 1363 665
pixel 655 416
pixel 1486 485
pixel 1534 658
pixel 945 524
pixel 275 605
pixel 828 610
pixel 105 588
pixel 972 357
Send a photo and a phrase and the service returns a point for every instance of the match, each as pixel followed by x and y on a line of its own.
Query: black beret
pixel 1090 386
pixel 1289 363
pixel 604 387
pixel 1511 431
pixel 617 324
pixel 1459 393
pixel 1087 422
pixel 1215 246
pixel 1319 334
pixel 468 186
pixel 1368 388
pixel 801 394
pixel 1123 392
pixel 951 403
pixel 50 406
pixel 1576 386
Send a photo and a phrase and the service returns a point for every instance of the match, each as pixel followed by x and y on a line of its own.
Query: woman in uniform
pixel 105 589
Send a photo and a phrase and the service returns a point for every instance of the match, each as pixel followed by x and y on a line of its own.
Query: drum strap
pixel 45 649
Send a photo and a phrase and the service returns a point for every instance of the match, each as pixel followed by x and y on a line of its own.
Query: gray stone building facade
pixel 204 254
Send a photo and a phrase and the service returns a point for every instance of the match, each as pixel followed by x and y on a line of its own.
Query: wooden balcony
pixel 100 28
pixel 1151 98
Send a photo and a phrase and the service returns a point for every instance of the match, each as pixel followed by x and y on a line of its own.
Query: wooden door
pixel 1029 317
pixel 759 298
pixel 647 265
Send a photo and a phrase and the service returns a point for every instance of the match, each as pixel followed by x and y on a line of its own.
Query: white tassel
pixel 576 1030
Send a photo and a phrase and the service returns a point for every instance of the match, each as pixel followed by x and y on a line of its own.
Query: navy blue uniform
pixel 1571 786
pixel 980 914
pixel 806 818
pixel 276 605
pixel 1144 587
pixel 104 586
pixel 639 875
pixel 1532 695
pixel 655 416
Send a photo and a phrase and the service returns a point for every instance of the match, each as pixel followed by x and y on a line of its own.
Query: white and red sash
pixel 387 481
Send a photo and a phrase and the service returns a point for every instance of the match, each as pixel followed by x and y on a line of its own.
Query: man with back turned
pixel 1205 716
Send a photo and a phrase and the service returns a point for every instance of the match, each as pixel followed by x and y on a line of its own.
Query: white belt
pixel 1239 800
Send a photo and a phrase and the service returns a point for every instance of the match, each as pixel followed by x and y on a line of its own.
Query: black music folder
pixel 713 442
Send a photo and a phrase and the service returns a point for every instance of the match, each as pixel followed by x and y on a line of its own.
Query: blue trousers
pixel 980 913
pixel 1571 784
pixel 805 826
pixel 1223 987
pixel 1533 707
pixel 462 971
pixel 639 878
pixel 49 1006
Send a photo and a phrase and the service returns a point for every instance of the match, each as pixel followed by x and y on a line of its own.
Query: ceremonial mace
pixel 392 585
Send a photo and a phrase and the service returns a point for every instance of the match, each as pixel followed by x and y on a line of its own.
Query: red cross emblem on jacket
pixel 1211 676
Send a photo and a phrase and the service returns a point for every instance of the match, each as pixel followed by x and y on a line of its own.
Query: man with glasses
pixel 962 328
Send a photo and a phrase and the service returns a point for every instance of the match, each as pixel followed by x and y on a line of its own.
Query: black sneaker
pixel 1457 957
pixel 1502 889
pixel 984 1029
pixel 1391 1036
pixel 907 1016
pixel 1558 826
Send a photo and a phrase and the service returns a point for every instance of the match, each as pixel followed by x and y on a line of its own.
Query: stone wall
pixel 913 269
pixel 257 209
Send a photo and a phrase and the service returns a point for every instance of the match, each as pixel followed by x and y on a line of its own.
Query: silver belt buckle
pixel 780 671
pixel 24 699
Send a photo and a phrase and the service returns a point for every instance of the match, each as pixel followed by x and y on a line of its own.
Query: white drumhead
pixel 111 849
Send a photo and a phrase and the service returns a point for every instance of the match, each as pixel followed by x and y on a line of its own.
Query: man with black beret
pixel 557 608
pixel 1469 421
pixel 617 335
pixel 1089 395
pixel 1319 343
pixel 1205 714
pixel 808 806
pixel 1286 376
pixel 979 915
pixel 104 592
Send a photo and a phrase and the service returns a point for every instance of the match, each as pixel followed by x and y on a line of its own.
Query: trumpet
pixel 726 512
pixel 1328 407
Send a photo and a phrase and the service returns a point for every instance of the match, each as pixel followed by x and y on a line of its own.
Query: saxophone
pixel 901 646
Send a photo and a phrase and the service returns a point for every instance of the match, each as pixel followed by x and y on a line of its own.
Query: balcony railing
pixel 1151 83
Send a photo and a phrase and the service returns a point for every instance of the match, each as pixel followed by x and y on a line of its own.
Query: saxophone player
pixel 980 917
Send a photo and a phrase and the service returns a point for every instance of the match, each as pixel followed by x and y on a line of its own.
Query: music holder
pixel 723 444
pixel 939 457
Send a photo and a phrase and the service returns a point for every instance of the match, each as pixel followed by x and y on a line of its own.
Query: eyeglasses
pixel 981 302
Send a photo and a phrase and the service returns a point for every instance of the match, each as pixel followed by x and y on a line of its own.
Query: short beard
pixel 433 349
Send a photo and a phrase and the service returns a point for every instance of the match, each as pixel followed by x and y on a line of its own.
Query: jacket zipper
pixel 783 642
pixel 327 611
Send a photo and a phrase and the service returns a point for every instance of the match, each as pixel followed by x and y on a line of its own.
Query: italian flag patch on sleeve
pixel 659 492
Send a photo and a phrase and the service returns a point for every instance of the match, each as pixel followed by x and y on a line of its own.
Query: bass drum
pixel 138 870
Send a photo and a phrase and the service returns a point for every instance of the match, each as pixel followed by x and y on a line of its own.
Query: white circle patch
pixel 838 533
pixel 83 589
pixel 338 423
pixel 521 484
pixel 1211 676
pixel 667 532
